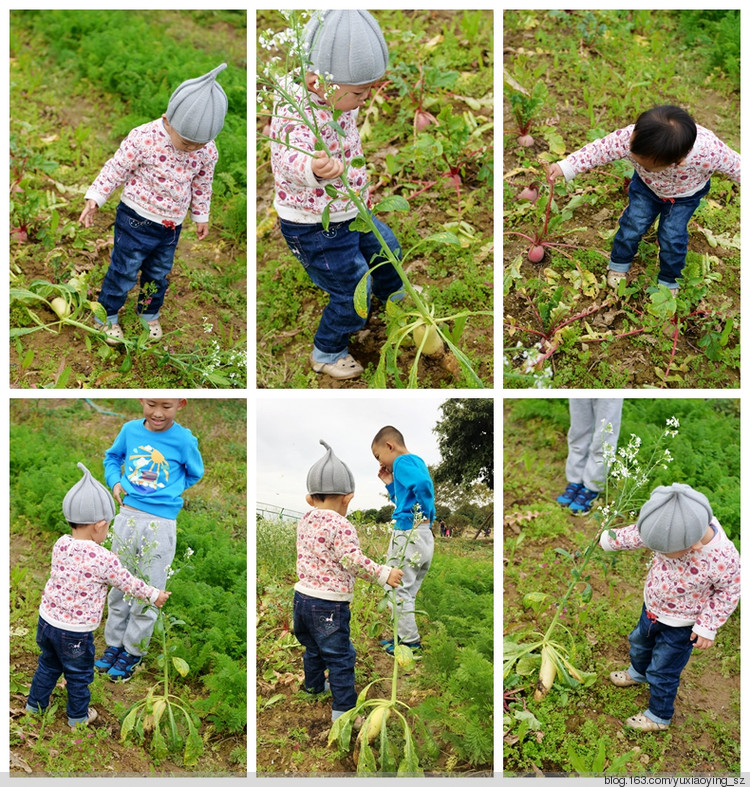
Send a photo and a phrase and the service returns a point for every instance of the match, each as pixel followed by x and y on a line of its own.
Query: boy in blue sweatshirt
pixel 151 463
pixel 409 486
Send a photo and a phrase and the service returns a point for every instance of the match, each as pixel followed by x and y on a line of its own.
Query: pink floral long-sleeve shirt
pixel 708 155
pixel 700 589
pixel 329 557
pixel 300 195
pixel 81 574
pixel 159 182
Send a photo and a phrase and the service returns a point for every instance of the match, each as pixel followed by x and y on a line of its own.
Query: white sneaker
pixel 346 368
pixel 154 329
pixel 614 278
pixel 92 716
pixel 114 333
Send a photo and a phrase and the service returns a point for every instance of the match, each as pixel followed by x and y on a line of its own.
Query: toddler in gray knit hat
pixel 316 156
pixel 692 587
pixel 328 560
pixel 166 168
pixel 81 572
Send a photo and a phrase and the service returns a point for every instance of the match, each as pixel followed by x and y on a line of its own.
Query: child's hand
pixel 394 578
pixel 117 492
pixel 87 217
pixel 326 168
pixel 554 172
pixel 700 642
pixel 163 596
pixel 385 475
pixel 201 228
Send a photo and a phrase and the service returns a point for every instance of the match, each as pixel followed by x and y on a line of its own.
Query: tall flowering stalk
pixel 627 479
pixel 282 85
pixel 378 711
pixel 159 711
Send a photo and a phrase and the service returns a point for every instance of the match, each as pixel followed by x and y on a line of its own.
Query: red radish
pixel 422 119
pixel 536 254
pixel 526 140
pixel 530 194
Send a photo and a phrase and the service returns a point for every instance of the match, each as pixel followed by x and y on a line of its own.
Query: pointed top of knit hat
pixel 329 475
pixel 88 501
pixel 196 110
pixel 347 46
pixel 674 518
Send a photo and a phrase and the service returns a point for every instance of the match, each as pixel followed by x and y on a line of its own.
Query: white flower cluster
pixel 528 359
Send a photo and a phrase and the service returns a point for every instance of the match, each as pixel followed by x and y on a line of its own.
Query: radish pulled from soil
pixel 526 140
pixel 536 254
pixel 529 194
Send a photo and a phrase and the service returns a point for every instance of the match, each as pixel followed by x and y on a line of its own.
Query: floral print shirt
pixel 81 574
pixel 300 195
pixel 700 589
pixel 329 557
pixel 161 183
pixel 708 155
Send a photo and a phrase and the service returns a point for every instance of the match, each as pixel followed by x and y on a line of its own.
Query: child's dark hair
pixel 388 434
pixel 321 498
pixel 74 525
pixel 664 134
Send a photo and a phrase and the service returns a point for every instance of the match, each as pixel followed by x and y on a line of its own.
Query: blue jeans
pixel 66 653
pixel 323 628
pixel 658 654
pixel 140 246
pixel 643 208
pixel 335 260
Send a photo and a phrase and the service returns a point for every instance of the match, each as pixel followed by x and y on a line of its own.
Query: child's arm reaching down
pixel 116 575
pixel 351 557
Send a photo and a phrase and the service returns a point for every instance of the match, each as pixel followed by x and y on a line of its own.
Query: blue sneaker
pixel 122 670
pixel 583 501
pixel 415 646
pixel 108 658
pixel 570 494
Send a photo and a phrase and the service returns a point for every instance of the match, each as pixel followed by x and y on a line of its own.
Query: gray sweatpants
pixel 418 557
pixel 145 545
pixel 586 437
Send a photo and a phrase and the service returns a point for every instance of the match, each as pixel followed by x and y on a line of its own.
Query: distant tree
pixel 466 441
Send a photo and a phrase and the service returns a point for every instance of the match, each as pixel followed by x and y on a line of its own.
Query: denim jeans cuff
pixel 322 357
pixel 149 317
pixel 635 675
pixel 649 715
pixel 673 285
pixel 620 267
pixel 113 320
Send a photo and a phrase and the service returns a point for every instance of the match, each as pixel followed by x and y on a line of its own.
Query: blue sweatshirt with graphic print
pixel 154 468
pixel 411 486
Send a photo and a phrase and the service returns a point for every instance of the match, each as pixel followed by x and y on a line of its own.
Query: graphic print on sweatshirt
pixel 147 469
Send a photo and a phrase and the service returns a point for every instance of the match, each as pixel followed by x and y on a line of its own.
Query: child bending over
pixel 409 486
pixel 348 49
pixel 691 589
pixel 328 560
pixel 673 159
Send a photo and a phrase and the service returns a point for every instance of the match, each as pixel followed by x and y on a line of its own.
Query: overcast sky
pixel 288 431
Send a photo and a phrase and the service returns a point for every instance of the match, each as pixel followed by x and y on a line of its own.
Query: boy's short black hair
pixel 321 498
pixel 74 525
pixel 388 434
pixel 664 134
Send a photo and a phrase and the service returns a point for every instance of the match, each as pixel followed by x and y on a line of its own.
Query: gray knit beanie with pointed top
pixel 197 109
pixel 88 501
pixel 347 45
pixel 674 518
pixel 329 475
